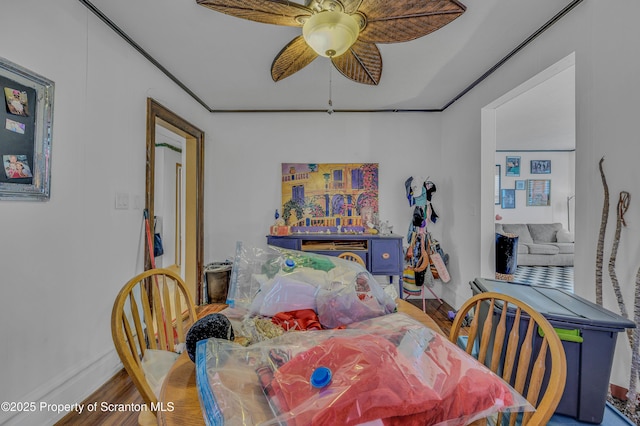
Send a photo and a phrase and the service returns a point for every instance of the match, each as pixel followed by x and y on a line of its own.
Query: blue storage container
pixel 589 334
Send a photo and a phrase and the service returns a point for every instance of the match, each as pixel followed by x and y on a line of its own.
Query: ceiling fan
pixel 346 31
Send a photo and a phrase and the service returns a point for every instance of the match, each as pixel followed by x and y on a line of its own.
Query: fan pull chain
pixel 330 110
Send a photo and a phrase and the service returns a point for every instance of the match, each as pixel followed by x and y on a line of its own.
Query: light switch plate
pixel 122 201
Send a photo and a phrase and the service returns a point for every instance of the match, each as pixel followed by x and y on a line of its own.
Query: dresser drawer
pixel 382 254
pixel 285 243
pixel 362 254
pixel 386 257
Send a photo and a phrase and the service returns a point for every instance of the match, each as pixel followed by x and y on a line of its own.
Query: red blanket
pixel 372 380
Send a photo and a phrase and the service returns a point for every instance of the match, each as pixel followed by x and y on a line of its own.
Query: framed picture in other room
pixel 512 166
pixel 508 199
pixel 521 185
pixel 540 167
pixel 539 192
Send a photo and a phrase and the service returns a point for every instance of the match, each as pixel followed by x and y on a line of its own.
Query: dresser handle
pixel 386 256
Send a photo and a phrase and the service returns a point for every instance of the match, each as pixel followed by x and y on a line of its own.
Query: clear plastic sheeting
pixel 265 282
pixel 390 370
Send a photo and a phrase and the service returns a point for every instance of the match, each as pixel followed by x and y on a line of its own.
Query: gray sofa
pixel 541 244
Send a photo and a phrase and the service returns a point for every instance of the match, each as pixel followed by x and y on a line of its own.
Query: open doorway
pixel 192 184
pixel 528 155
pixel 169 200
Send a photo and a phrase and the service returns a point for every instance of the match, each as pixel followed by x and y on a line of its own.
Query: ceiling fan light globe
pixel 330 33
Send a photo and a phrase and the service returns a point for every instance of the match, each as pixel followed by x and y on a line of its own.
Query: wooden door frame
pixel 193 267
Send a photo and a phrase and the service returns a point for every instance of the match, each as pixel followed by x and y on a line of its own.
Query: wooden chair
pixel 352 257
pixel 527 371
pixel 152 311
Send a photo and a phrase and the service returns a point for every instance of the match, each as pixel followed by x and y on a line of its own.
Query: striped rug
pixel 554 276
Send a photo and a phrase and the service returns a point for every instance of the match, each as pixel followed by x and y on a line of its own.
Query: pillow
pixel 544 232
pixel 519 229
pixel 564 236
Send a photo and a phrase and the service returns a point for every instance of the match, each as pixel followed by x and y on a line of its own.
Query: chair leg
pixel 147 418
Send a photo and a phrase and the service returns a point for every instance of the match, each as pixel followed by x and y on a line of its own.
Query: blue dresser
pixel 382 254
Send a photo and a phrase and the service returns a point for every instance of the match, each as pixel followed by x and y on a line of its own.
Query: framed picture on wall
pixel 508 199
pixel 512 166
pixel 539 192
pixel 334 197
pixel 540 167
pixel 521 185
pixel 25 136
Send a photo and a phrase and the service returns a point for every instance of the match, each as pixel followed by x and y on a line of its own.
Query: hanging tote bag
pixel 438 263
pixel 158 250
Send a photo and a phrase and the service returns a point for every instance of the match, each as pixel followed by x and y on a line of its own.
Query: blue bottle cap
pixel 290 263
pixel 320 377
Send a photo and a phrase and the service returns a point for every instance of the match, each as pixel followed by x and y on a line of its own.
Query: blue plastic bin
pixel 588 334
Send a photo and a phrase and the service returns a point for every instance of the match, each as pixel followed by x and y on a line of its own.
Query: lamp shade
pixel 330 33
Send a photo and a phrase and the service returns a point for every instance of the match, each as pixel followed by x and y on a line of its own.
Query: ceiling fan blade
pixel 362 63
pixel 350 6
pixel 292 58
pixel 394 21
pixel 277 12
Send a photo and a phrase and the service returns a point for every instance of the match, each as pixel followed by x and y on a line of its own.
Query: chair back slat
pixel 131 340
pixel 498 342
pixel 521 363
pixel 512 349
pixel 524 360
pixel 537 374
pixel 178 323
pixel 473 329
pixel 146 312
pixel 137 324
pixel 486 334
pixel 168 312
pixel 352 257
pixel 158 314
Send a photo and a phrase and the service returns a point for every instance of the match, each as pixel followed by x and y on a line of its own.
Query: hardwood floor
pixel 118 390
pixel 121 390
pixel 439 312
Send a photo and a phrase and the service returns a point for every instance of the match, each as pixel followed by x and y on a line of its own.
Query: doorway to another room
pixel 529 149
pixel 169 200
pixel 187 178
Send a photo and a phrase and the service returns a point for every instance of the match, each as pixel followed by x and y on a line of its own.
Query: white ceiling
pixel 225 61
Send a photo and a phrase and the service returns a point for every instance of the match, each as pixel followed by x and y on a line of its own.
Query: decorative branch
pixel 623 206
pixel 632 397
pixel 603 227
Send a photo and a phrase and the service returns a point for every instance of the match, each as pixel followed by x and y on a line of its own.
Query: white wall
pixel 245 151
pixel 71 255
pixel 606 120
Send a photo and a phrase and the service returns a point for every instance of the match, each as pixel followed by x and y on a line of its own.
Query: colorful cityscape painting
pixel 329 197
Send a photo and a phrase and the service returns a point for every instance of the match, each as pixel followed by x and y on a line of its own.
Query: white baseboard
pixel 70 387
